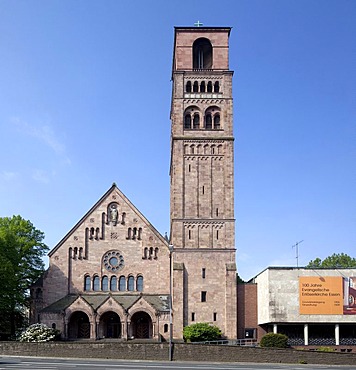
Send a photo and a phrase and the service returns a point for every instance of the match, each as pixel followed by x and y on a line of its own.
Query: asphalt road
pixel 35 363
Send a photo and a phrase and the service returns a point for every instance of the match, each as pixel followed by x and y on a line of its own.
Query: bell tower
pixel 202 180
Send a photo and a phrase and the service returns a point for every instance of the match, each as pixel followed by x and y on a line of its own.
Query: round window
pixel 113 261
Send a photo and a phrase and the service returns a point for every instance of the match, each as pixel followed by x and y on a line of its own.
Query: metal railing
pixel 231 342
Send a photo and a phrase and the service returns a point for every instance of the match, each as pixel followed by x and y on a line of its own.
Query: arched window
pixel 129 233
pixel 145 253
pixel 208 121
pixel 151 253
pixel 96 283
pixel 165 328
pixel 187 121
pixel 210 87
pixel 202 87
pixel 217 121
pixel 105 284
pixel 130 284
pixel 202 54
pixel 139 283
pixel 122 284
pixel 196 121
pixel 139 233
pixel 87 283
pixel 113 284
pixel 156 253
pixel 188 87
pixel 53 325
pixel 216 87
pixel 195 86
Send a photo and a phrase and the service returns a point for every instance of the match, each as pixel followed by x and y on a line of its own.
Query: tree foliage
pixel 21 252
pixel 275 340
pixel 333 261
pixel 201 332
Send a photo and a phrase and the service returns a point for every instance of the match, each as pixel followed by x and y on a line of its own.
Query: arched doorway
pixel 110 325
pixel 141 325
pixel 79 325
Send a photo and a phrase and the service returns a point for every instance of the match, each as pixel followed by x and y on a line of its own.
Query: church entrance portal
pixel 110 325
pixel 141 325
pixel 79 326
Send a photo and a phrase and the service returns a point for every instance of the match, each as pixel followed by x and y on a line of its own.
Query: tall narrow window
pixel 87 283
pixel 113 284
pixel 203 296
pixel 203 272
pixel 130 284
pixel 217 212
pixel 217 234
pixel 188 87
pixel 202 87
pixel 196 121
pixel 203 189
pixel 195 86
pixel 214 316
pixel 210 87
pixel 193 316
pixel 187 121
pixel 96 283
pixel 208 121
pixel 217 121
pixel 216 87
pixel 202 54
pixel 105 284
pixel 139 283
pixel 189 234
pixel 122 284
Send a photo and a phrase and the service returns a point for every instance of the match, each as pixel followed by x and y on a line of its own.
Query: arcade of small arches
pixel 203 149
pixel 113 284
pixel 193 118
pixel 110 324
pixel 203 87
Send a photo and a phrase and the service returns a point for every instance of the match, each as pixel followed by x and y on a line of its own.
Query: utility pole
pixel 296 246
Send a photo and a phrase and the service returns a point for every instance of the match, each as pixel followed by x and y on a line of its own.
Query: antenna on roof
pixel 296 246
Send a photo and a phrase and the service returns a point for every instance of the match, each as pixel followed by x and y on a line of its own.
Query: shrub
pixel 325 349
pixel 38 333
pixel 201 332
pixel 274 340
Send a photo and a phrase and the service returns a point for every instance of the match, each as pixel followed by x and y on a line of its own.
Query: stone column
pixel 275 328
pixel 306 335
pixel 337 334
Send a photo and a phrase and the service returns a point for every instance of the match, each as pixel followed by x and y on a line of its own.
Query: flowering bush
pixel 38 333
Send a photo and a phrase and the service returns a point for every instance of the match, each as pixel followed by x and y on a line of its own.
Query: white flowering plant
pixel 38 333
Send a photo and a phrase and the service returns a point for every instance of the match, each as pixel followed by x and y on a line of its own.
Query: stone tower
pixel 202 180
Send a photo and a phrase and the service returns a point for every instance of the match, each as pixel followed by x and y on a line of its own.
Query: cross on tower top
pixel 198 24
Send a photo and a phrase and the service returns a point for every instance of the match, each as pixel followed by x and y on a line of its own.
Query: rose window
pixel 113 261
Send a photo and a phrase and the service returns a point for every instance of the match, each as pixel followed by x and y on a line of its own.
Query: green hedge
pixel 201 332
pixel 274 340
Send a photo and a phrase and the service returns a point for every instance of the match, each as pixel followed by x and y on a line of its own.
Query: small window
pixel 216 87
pixel 122 284
pixel 188 87
pixel 202 87
pixel 217 212
pixel 195 86
pixel 208 121
pixel 203 296
pixel 53 325
pixel 139 284
pixel 96 283
pixel 203 273
pixel 165 328
pixel 187 121
pixel 210 87
pixel 196 121
pixel 217 122
pixel 203 189
pixel 105 284
pixel 113 284
pixel 214 316
pixel 217 234
pixel 193 316
pixel 189 234
pixel 87 283
pixel 130 284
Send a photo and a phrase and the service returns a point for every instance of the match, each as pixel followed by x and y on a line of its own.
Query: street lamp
pixel 171 248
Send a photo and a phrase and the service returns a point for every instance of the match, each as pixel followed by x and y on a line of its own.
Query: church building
pixel 113 275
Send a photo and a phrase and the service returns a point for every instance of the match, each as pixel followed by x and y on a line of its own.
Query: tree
pixel 21 252
pixel 275 340
pixel 333 261
pixel 201 332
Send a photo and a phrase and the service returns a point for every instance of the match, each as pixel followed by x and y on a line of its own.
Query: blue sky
pixel 85 97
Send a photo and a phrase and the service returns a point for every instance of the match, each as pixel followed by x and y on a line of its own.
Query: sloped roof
pixel 158 302
pixel 112 188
